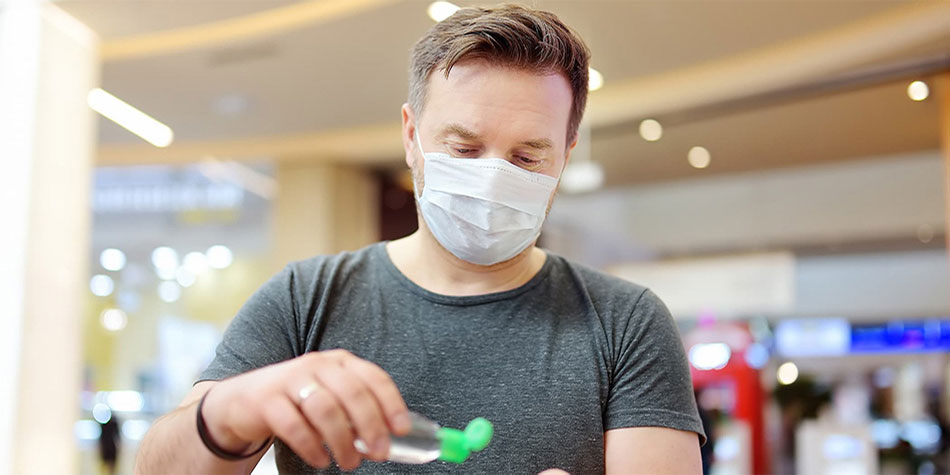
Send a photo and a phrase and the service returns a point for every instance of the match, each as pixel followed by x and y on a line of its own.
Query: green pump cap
pixel 458 445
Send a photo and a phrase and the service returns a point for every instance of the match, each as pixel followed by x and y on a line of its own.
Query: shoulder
pixel 341 263
pixel 301 280
pixel 618 302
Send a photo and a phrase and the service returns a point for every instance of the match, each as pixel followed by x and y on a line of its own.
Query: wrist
pixel 216 432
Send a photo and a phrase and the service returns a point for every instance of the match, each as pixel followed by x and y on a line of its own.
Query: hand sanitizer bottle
pixel 426 441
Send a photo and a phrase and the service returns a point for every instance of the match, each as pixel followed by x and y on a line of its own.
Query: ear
pixel 408 133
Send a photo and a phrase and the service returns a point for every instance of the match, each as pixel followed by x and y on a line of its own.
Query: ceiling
pixel 849 125
pixel 113 19
pixel 350 73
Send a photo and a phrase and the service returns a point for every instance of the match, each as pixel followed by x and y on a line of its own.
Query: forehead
pixel 497 100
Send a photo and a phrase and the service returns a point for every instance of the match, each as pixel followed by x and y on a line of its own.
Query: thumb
pixel 554 471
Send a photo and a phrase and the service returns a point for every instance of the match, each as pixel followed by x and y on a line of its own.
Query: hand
pixel 344 394
pixel 554 471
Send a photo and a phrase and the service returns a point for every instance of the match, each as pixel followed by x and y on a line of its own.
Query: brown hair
pixel 506 35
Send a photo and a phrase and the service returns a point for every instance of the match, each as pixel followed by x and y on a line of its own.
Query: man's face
pixel 485 111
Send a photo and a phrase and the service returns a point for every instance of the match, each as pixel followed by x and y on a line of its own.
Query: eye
pixel 461 149
pixel 527 161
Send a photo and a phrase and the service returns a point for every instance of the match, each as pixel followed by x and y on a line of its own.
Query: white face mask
pixel 483 210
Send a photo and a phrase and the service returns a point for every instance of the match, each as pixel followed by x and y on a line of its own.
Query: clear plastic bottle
pixel 426 441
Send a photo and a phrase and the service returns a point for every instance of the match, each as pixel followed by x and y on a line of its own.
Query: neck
pixel 426 263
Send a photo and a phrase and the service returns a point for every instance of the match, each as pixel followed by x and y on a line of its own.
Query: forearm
pixel 172 445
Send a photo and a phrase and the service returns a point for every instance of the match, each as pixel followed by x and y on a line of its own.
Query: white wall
pixel 874 286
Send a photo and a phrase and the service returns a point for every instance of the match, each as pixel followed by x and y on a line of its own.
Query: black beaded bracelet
pixel 213 447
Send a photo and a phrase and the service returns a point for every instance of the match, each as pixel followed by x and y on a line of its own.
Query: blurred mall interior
pixel 777 172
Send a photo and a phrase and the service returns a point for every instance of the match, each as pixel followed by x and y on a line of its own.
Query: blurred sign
pixel 166 197
pixel 162 189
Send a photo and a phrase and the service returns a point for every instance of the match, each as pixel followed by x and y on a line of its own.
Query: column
pixel 323 208
pixel 48 63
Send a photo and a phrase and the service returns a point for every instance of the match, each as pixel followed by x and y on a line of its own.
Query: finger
pixel 288 424
pixel 360 406
pixel 337 355
pixel 385 391
pixel 326 414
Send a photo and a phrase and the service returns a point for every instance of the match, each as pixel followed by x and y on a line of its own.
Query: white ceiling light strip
pixel 130 118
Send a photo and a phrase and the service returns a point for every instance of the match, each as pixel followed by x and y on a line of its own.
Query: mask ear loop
pixel 419 143
pixel 415 190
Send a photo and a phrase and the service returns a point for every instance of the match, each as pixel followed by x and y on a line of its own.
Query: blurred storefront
pixel 176 250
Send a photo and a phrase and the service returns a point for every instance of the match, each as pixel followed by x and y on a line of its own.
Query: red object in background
pixel 736 376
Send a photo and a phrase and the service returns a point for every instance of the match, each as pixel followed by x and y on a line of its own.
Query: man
pixel 464 318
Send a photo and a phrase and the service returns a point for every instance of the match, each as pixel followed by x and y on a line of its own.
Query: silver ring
pixel 307 391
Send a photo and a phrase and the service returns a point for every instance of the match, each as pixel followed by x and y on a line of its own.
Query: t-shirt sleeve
pixel 263 332
pixel 651 384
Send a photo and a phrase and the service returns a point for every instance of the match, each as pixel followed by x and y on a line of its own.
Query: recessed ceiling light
pixel 918 91
pixel 219 256
pixel 113 319
pixel 699 157
pixel 164 257
pixel 439 11
pixel 787 373
pixel 132 119
pixel 651 130
pixel 112 259
pixel 595 79
pixel 101 285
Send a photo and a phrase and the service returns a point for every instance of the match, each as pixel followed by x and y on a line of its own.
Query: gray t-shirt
pixel 552 364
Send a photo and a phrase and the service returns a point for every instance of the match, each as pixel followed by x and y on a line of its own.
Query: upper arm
pixel 262 333
pixel 650 384
pixel 652 450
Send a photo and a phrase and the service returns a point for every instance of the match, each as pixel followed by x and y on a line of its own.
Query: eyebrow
pixel 460 131
pixel 540 144
pixel 466 134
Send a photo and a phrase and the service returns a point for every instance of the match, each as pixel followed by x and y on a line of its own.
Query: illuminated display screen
pixel 909 335
pixel 835 336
